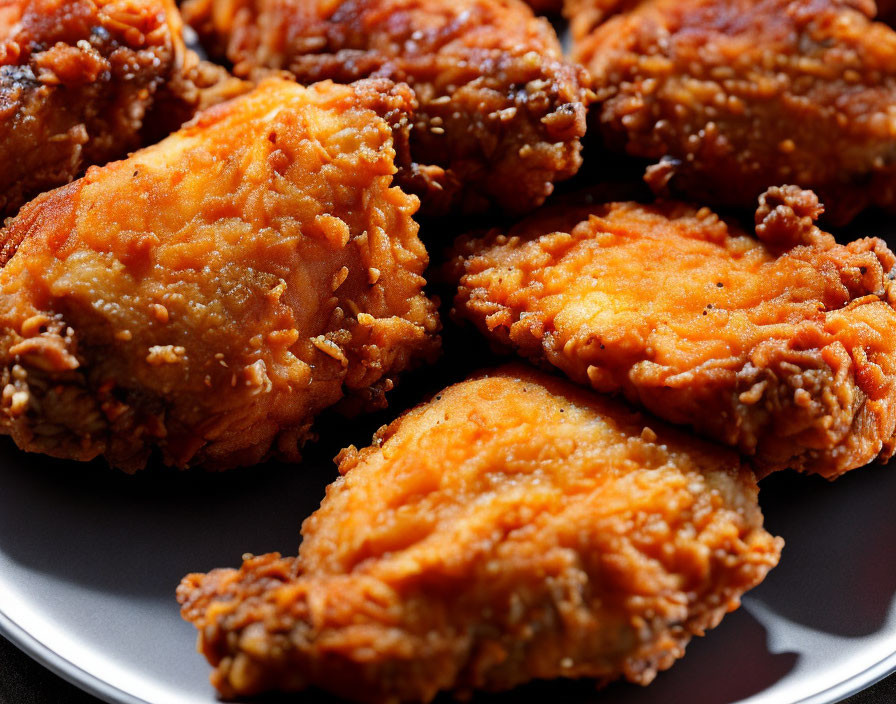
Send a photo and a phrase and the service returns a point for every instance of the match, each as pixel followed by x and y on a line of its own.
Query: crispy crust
pixel 64 101
pixel 513 528
pixel 734 96
pixel 781 347
pixel 500 116
pixel 202 297
pixel 78 81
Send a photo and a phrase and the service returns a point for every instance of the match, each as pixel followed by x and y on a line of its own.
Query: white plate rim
pixel 64 668
pixel 96 686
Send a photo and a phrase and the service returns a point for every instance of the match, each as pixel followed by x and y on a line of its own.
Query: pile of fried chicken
pixel 208 245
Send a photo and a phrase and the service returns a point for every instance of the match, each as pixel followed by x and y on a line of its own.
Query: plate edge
pixel 854 685
pixel 62 667
pixel 97 687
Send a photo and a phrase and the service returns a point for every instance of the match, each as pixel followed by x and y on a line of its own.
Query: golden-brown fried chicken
pixel 500 112
pixel 210 294
pixel 735 96
pixel 77 79
pixel 781 347
pixel 513 528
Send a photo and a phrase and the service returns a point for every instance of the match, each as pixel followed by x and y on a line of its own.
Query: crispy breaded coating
pixel 500 113
pixel 734 96
pixel 513 528
pixel 782 347
pixel 210 294
pixel 77 78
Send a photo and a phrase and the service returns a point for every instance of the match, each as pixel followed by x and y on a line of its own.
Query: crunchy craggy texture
pixel 77 78
pixel 734 96
pixel 500 112
pixel 781 347
pixel 197 86
pixel 210 294
pixel 513 528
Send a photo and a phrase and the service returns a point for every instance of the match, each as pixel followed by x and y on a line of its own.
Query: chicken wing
pixel 735 96
pixel 513 528
pixel 210 294
pixel 781 347
pixel 500 112
pixel 77 78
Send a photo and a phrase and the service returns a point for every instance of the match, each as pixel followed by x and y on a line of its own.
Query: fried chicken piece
pixel 513 528
pixel 210 294
pixel 735 96
pixel 77 78
pixel 500 114
pixel 781 347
